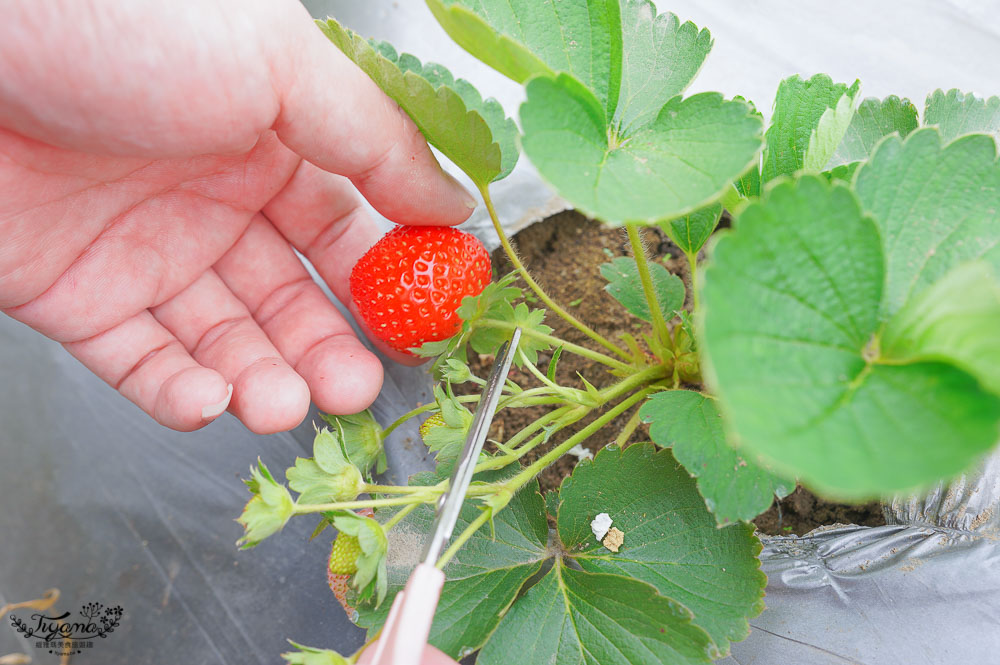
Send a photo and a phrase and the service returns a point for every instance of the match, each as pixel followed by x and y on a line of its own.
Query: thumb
pixel 335 116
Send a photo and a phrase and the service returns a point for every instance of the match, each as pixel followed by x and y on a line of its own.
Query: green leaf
pixel 734 487
pixel 873 120
pixel 791 306
pixel 311 656
pixel 327 476
pixel 956 320
pixel 661 56
pixel 671 541
pixel 483 578
pixel 690 232
pixel 936 206
pixel 624 286
pixel 829 133
pixel 956 113
pixel 472 133
pixel 521 39
pixel 489 339
pixel 680 161
pixel 267 511
pixel 798 109
pixel 572 617
pixel 844 172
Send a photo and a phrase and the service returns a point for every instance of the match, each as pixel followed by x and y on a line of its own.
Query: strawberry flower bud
pixel 362 438
pixel 268 510
pixel 310 656
pixel 328 476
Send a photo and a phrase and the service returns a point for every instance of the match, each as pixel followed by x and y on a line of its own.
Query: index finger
pixel 336 117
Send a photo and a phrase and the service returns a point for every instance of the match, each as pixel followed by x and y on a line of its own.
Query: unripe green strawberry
pixel 436 420
pixel 408 285
pixel 344 555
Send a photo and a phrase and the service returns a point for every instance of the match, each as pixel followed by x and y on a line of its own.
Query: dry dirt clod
pixel 614 539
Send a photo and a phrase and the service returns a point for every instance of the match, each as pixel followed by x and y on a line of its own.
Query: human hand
pixel 158 164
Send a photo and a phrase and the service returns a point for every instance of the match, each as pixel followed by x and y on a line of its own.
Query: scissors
pixel 404 635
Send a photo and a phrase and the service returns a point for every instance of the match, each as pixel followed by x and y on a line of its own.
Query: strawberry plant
pixel 842 334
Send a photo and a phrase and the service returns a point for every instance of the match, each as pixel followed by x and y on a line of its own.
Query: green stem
pixel 534 397
pixel 393 489
pixel 630 427
pixel 659 323
pixel 692 259
pixel 549 302
pixel 400 514
pixel 306 508
pixel 474 525
pixel 548 458
pixel 596 356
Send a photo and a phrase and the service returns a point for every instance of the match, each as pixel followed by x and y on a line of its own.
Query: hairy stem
pixel 398 517
pixel 474 525
pixel 548 458
pixel 659 323
pixel 596 356
pixel 630 427
pixel 306 508
pixel 692 259
pixel 533 285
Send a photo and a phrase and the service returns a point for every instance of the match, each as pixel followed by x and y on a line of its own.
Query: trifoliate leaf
pixel 735 488
pixel 873 120
pixel 829 133
pixel 625 286
pixel 684 158
pixel 483 578
pixel 311 656
pixel 576 617
pixel 690 232
pixel 530 319
pixel 328 476
pixel 798 108
pixel 660 58
pixel 266 513
pixel 936 206
pixel 956 113
pixel 472 133
pixel 956 319
pixel 791 307
pixel 523 39
pixel 671 540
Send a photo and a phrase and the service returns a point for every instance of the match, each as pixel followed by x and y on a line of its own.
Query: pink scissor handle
pixel 404 636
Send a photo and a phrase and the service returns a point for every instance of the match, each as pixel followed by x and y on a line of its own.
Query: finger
pixel 321 215
pixel 217 329
pixel 264 273
pixel 335 116
pixel 150 367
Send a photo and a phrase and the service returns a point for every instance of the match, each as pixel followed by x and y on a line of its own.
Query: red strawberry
pixel 408 286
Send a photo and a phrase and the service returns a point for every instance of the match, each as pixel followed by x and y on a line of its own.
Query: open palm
pixel 155 183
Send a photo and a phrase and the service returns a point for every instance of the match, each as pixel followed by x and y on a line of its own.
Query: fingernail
pixel 467 198
pixel 212 410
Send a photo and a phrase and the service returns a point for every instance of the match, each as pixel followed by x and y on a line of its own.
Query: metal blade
pixel 450 504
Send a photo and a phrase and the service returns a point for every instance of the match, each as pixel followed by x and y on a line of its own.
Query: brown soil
pixel 563 254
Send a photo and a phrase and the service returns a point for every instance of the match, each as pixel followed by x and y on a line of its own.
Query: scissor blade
pixel 451 502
